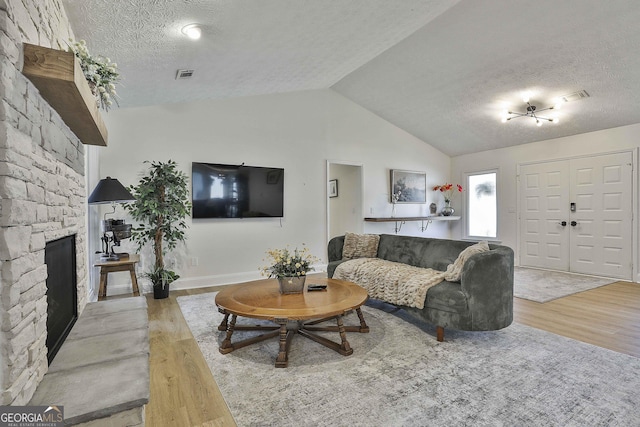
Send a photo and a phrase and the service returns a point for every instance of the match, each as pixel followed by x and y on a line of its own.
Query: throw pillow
pixel 454 271
pixel 360 245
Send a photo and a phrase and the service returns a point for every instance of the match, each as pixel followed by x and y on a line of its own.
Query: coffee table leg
pixel 285 338
pixel 223 325
pixel 345 348
pixel 226 346
pixel 363 325
pixel 363 328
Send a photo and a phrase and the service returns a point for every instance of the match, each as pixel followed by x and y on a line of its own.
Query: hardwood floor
pixel 184 393
pixel 608 316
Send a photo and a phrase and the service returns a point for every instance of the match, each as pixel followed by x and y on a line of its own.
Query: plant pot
pixel 160 292
pixel 447 210
pixel 291 285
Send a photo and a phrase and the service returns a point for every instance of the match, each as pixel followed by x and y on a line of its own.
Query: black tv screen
pixel 231 191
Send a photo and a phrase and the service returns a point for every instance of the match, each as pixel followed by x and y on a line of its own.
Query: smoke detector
pixel 184 74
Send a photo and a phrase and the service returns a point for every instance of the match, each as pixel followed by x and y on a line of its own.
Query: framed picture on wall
pixel 333 188
pixel 408 186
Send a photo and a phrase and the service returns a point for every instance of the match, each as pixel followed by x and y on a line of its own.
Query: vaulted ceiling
pixel 443 70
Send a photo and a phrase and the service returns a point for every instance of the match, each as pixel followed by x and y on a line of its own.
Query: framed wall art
pixel 333 188
pixel 408 186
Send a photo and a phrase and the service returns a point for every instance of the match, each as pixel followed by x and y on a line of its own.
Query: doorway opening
pixel 344 198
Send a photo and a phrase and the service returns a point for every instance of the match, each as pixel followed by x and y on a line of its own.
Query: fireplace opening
pixel 62 293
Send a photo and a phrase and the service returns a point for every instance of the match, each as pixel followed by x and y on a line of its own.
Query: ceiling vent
pixel 576 96
pixel 184 74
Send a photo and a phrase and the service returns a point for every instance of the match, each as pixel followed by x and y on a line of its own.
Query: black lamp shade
pixel 109 190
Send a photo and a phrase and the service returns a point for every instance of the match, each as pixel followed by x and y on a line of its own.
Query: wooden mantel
pixel 59 78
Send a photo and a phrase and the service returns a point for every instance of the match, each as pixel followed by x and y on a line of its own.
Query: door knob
pixel 563 223
pixel 574 223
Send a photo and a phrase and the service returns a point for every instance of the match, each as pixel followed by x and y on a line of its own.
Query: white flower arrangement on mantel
pixel 395 198
pixel 100 72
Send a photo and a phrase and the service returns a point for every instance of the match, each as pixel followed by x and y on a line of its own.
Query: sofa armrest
pixel 335 248
pixel 487 281
pixel 334 254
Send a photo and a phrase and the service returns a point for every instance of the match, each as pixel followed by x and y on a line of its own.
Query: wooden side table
pixel 125 264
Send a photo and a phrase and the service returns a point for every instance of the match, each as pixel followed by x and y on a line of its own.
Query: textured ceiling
pixel 248 47
pixel 441 70
pixel 448 82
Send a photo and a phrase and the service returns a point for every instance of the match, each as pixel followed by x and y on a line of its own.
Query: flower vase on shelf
pixel 291 284
pixel 395 197
pixel 447 210
pixel 448 191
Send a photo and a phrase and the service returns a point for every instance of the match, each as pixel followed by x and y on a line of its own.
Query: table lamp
pixel 109 190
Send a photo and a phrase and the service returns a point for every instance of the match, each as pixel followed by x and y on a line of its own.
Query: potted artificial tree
pixel 161 206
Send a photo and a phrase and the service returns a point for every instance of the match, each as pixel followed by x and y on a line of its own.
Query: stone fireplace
pixel 42 197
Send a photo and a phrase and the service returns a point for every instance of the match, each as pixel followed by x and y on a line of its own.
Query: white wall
pixel 507 160
pixel 297 131
pixel 360 137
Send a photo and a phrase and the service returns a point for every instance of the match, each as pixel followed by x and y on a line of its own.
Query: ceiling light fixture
pixel 532 111
pixel 192 31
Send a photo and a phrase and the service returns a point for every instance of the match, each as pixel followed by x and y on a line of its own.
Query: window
pixel 482 205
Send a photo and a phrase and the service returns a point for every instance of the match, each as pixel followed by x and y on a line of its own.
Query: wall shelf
pixel 59 78
pixel 425 220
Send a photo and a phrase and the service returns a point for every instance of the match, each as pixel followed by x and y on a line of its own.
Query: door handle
pixel 563 223
pixel 574 223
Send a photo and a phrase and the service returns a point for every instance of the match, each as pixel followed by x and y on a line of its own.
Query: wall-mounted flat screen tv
pixel 232 191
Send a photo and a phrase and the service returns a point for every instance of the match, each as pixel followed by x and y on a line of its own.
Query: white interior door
pixel 602 222
pixel 576 215
pixel 544 241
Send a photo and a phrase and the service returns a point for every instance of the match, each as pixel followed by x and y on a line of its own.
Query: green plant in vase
pixel 162 204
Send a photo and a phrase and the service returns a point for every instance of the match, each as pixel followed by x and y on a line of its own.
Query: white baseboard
pixel 215 280
pixel 226 279
pixel 122 284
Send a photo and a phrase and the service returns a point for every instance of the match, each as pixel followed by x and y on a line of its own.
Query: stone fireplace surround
pixel 42 196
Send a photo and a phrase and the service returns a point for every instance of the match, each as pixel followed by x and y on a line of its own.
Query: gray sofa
pixel 481 301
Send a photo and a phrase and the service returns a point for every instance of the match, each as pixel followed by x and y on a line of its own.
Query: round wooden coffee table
pixel 293 313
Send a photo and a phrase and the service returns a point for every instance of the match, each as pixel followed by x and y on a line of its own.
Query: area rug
pixel 545 285
pixel 399 375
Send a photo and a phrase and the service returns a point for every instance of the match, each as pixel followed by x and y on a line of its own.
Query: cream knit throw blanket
pixel 393 282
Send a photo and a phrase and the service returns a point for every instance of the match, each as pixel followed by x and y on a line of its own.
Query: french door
pixel 576 215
